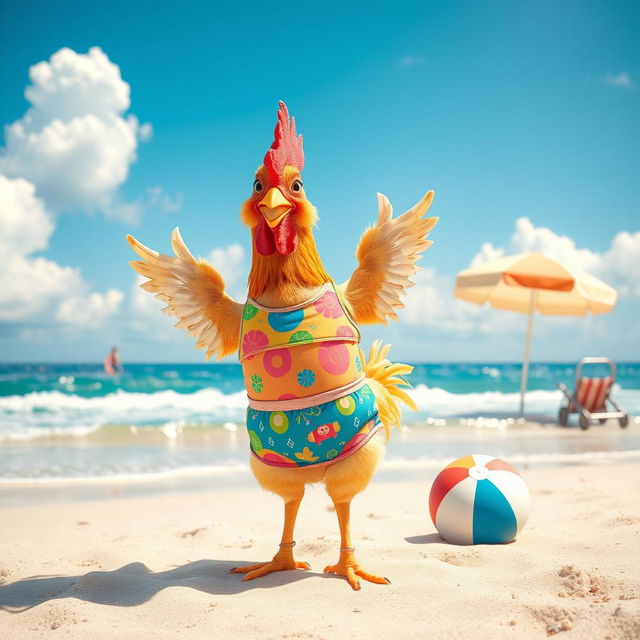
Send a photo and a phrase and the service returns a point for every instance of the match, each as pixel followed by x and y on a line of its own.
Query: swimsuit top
pixel 300 356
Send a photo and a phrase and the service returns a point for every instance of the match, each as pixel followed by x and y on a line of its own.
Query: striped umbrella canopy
pixel 532 282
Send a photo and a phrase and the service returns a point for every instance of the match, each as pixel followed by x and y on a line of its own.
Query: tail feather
pixel 385 379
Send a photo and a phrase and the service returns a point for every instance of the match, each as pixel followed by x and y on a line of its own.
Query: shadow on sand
pixel 135 584
pixel 428 538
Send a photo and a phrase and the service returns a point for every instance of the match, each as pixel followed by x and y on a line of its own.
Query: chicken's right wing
pixel 194 293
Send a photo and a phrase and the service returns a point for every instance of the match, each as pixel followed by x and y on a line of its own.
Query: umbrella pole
pixel 527 348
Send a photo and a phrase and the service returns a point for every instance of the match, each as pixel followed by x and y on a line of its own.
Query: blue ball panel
pixel 493 519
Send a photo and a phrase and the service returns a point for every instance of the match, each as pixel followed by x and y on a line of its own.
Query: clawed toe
pixel 351 571
pixel 346 572
pixel 278 563
pixel 369 577
pixel 249 568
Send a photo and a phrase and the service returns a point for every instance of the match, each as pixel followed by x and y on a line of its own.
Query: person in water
pixel 112 363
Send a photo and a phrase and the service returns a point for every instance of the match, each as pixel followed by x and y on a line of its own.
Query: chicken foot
pixel 283 560
pixel 347 565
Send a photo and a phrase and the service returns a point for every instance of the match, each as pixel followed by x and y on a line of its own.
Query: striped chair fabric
pixel 592 393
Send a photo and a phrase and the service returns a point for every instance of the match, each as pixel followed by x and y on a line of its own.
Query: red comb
pixel 286 148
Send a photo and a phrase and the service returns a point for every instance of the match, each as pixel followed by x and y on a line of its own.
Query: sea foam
pixel 55 413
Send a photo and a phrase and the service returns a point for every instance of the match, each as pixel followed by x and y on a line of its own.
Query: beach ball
pixel 479 499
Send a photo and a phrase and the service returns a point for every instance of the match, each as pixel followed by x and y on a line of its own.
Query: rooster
pixel 317 405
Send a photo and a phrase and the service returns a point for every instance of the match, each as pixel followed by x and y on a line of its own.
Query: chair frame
pixel 570 402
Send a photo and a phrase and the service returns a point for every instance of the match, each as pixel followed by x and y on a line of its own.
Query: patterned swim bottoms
pixel 316 435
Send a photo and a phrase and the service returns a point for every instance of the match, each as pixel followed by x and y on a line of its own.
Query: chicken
pixel 315 401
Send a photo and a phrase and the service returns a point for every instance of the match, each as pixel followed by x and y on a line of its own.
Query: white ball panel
pixel 454 518
pixel 515 491
pixel 481 459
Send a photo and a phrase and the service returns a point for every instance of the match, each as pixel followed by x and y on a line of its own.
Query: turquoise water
pixel 89 381
pixel 72 420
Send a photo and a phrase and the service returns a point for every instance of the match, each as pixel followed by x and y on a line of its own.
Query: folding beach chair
pixel 591 397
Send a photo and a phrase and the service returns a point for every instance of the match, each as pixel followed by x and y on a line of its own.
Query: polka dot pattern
pixel 285 321
pixel 345 331
pixel 277 363
pixel 318 434
pixel 329 305
pixel 279 422
pixel 309 350
pixel 334 357
pixel 254 341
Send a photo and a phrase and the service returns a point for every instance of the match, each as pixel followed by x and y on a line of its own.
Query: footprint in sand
pixel 57 616
pixel 623 520
pixel 554 619
pixel 468 559
pixel 580 583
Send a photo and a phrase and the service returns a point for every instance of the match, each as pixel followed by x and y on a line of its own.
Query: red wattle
pixel 264 239
pixel 285 237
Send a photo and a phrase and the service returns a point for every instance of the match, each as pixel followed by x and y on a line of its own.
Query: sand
pixel 157 566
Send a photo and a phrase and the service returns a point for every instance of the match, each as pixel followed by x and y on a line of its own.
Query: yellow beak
pixel 274 207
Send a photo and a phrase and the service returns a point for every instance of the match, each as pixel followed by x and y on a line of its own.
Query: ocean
pixel 72 421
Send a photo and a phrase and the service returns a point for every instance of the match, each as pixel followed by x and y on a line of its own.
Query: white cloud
pixel 431 303
pixel 618 265
pixel 621 263
pixel 27 284
pixel 159 200
pixel 487 253
pixel 620 80
pixel 229 261
pixel 25 225
pixel 411 60
pixel 527 238
pixel 89 310
pixel 155 200
pixel 74 143
pixel 30 285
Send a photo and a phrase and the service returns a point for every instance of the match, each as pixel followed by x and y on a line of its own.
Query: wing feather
pixel 193 292
pixel 387 256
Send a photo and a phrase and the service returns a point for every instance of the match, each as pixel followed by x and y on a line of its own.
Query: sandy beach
pixel 157 565
pixel 244 235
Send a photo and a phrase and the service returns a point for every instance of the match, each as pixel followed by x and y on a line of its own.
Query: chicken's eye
pixel 296 186
pixel 257 186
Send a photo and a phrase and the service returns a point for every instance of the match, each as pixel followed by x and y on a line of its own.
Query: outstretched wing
pixel 387 256
pixel 194 293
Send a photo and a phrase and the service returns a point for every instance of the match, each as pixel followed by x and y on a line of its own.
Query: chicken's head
pixel 278 210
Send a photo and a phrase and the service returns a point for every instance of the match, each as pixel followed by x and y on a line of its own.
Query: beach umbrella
pixel 532 282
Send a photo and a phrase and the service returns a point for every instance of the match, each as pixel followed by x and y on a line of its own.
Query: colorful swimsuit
pixel 308 402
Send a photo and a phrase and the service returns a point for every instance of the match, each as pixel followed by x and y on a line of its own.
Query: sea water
pixel 73 421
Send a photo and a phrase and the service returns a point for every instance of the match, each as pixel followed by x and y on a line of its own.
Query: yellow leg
pixel 347 565
pixel 283 560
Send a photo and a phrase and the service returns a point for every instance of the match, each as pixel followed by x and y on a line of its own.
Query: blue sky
pixel 509 111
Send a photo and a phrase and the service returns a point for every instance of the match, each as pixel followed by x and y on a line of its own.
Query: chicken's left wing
pixel 194 293
pixel 386 255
